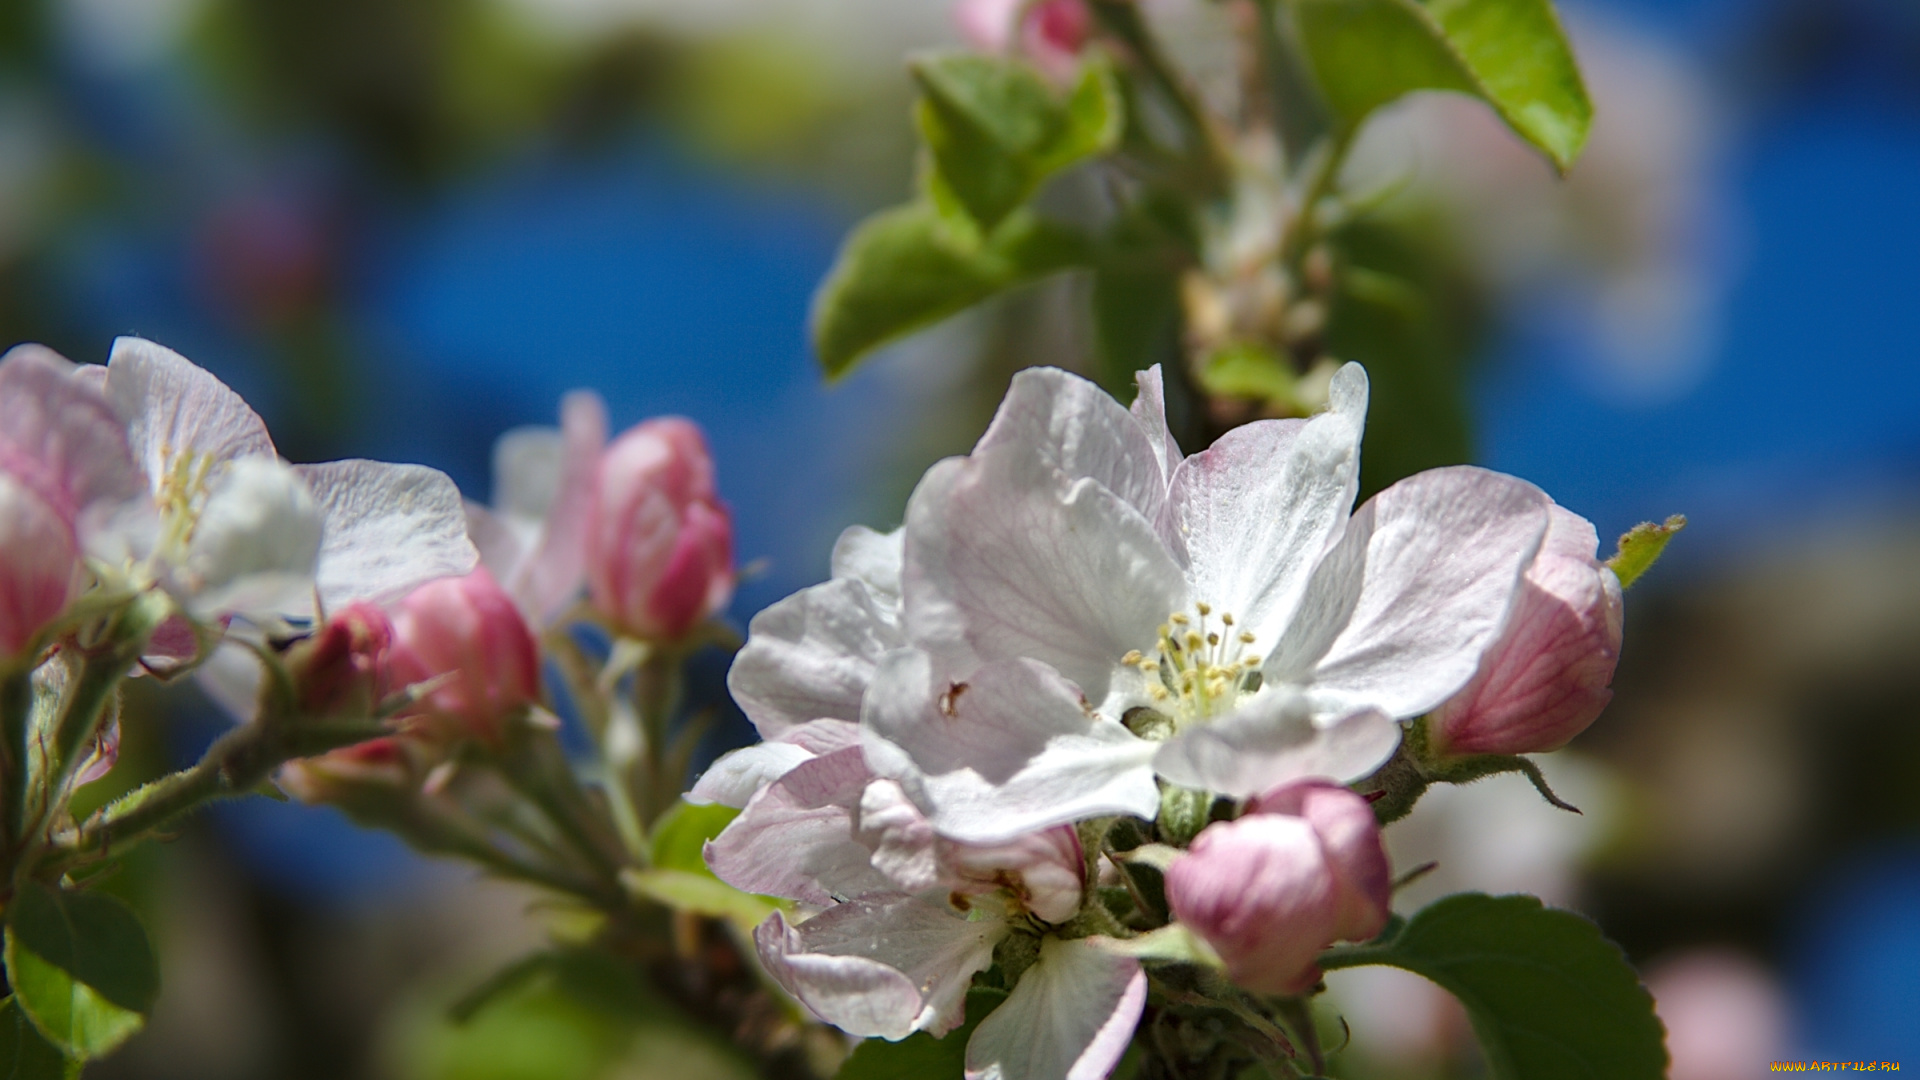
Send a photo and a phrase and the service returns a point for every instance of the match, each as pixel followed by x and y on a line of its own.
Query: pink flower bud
pixel 1048 32
pixel 466 634
pixel 352 774
pixel 343 669
pixel 1273 889
pixel 1546 678
pixel 39 564
pixel 660 541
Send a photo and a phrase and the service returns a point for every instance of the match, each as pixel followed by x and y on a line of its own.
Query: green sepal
pixel 1549 996
pixel 81 968
pixel 1512 54
pixel 1640 547
pixel 909 267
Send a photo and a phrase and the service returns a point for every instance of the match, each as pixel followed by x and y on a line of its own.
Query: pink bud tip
pixel 467 634
pixel 660 541
pixel 39 564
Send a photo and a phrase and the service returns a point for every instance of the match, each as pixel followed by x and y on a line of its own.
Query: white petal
pixel 255 543
pixel 231 677
pixel 1273 740
pixel 901 838
pixel 1058 424
pixel 871 557
pixel 555 568
pixel 60 435
pixel 501 545
pixel 526 471
pixel 1070 1018
pixel 1011 750
pixel 883 966
pixel 1399 612
pixel 1150 411
pixel 812 655
pixel 795 839
pixel 999 569
pixel 1258 508
pixel 739 774
pixel 172 407
pixel 389 529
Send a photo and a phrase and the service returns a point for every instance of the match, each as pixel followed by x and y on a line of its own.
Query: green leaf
pixel 1640 548
pixel 996 130
pixel 908 267
pixel 681 835
pixel 24 1053
pixel 1136 288
pixel 1549 997
pixel 701 894
pixel 920 1054
pixel 1511 54
pixel 81 967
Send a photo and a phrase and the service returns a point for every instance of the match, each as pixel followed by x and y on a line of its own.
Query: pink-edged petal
pixel 1070 1018
pixel 882 966
pixel 1058 427
pixel 555 569
pixel 873 558
pixel 795 838
pixel 740 774
pixel 904 845
pixel 1009 750
pixel 1400 611
pixel 60 436
pixel 1258 508
pixel 996 569
pixel 173 406
pixel 389 529
pixel 1273 740
pixel 811 656
pixel 1150 412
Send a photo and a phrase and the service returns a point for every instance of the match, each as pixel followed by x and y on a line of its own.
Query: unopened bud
pixel 1546 679
pixel 1048 32
pixel 467 636
pixel 660 542
pixel 359 775
pixel 343 669
pixel 1274 888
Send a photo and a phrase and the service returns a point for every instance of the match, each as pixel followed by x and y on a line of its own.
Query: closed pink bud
pixel 1048 32
pixel 352 775
pixel 659 541
pixel 39 565
pixel 344 667
pixel 466 634
pixel 1546 679
pixel 1046 871
pixel 1273 889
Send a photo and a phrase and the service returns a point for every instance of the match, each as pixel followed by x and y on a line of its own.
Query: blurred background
pixel 400 229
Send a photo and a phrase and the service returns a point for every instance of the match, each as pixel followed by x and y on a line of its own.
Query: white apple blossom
pixel 1080 608
pixel 904 918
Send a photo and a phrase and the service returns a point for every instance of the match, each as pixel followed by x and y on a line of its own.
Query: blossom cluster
pixel 1098 705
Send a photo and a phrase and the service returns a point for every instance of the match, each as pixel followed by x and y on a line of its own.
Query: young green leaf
pixel 995 130
pixel 1640 548
pixel 700 894
pixel 24 1053
pixel 908 267
pixel 81 967
pixel 922 1055
pixel 1549 997
pixel 1511 54
pixel 682 833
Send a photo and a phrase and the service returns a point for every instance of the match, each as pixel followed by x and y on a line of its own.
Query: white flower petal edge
pixel 59 433
pixel 1012 750
pixel 1399 613
pixel 796 837
pixel 172 407
pixel 1070 1018
pixel 533 538
pixel 739 774
pixel 1273 740
pixel 256 542
pixel 388 530
pixel 881 967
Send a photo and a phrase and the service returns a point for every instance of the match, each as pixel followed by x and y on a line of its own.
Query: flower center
pixel 182 495
pixel 1200 666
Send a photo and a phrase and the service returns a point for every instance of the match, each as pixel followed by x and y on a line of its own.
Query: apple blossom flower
pixel 907 917
pixel 233 530
pixel 1272 889
pixel 1048 32
pixel 1546 680
pixel 659 549
pixel 63 462
pixel 533 538
pixel 467 634
pixel 1084 609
